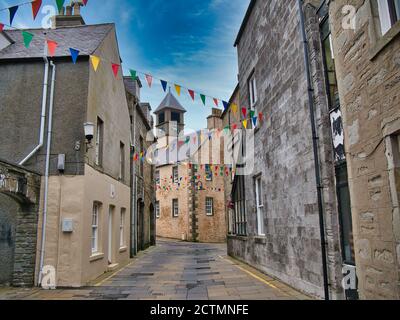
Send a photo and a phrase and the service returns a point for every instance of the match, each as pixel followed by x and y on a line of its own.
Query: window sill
pixel 96 256
pixel 260 239
pixel 123 249
pixel 385 40
pixel 240 238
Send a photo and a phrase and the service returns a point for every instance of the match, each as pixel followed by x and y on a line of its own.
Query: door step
pixel 112 267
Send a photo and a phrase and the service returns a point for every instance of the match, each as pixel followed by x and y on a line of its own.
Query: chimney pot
pixel 69 11
pixel 77 8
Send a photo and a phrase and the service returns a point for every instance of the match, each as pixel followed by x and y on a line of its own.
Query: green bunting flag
pixel 203 98
pixel 133 74
pixel 252 113
pixel 60 4
pixel 27 38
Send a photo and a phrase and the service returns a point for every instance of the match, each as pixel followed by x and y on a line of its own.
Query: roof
pixel 170 102
pixel 85 38
pixel 131 86
pixel 244 23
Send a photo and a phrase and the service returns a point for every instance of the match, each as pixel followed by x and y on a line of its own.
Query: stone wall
pixel 271 46
pixel 368 71
pixel 19 206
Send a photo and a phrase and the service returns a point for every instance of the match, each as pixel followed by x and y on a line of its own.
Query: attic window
pixel 176 117
pixel 161 118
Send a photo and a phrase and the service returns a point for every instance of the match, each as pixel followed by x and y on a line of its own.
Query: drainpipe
pixel 133 208
pixel 43 116
pixel 47 170
pixel 315 149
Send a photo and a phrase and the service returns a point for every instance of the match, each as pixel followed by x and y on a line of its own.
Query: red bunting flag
pixel 85 2
pixel 51 46
pixel 191 92
pixel 260 116
pixel 115 68
pixel 1 27
pixel 36 4
pixel 216 102
pixel 244 111
pixel 149 79
pixel 234 126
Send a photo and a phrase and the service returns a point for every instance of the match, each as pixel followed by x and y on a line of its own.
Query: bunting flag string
pixel 95 62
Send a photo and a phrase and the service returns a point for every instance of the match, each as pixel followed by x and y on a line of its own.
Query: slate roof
pixel 85 38
pixel 170 102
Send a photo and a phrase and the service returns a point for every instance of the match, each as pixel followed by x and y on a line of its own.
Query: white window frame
pixel 175 208
pixel 95 227
pixel 157 207
pixel 122 228
pixel 385 15
pixel 252 83
pixel 175 174
pixel 209 206
pixel 259 207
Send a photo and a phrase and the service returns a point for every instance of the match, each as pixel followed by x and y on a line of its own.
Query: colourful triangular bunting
pixel 164 85
pixel 51 46
pixel 216 102
pixel 1 27
pixel 36 4
pixel 149 79
pixel 226 105
pixel 245 124
pixel 60 4
pixel 95 62
pixel 13 11
pixel 74 54
pixel 191 92
pixel 178 89
pixel 115 68
pixel 27 38
pixel 203 98
pixel 244 112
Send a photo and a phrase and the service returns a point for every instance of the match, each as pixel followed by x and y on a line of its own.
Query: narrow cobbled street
pixel 174 271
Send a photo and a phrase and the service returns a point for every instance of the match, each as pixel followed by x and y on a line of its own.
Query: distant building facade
pixel 190 199
pixel 143 230
pixel 88 195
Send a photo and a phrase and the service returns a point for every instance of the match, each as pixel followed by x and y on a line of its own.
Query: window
pixel 95 227
pixel 252 90
pixel 121 161
pixel 175 116
pixel 259 207
pixel 99 142
pixel 175 208
pixel 209 206
pixel 389 14
pixel 239 216
pixel 157 209
pixel 157 177
pixel 122 228
pixel 161 118
pixel 175 174
pixel 209 173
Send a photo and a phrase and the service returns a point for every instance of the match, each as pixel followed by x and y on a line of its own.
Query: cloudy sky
pixel 188 42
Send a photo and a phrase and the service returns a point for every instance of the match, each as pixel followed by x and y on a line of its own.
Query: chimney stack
pixel 66 18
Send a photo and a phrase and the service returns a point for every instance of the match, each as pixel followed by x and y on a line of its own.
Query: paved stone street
pixel 175 271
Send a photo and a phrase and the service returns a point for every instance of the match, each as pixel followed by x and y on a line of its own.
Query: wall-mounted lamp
pixel 89 134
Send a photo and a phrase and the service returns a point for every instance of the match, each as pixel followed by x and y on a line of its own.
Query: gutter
pixel 47 171
pixel 317 165
pixel 43 116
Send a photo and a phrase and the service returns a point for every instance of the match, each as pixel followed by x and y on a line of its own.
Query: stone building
pixel 366 45
pixel 292 215
pixel 86 196
pixel 142 172
pixel 190 199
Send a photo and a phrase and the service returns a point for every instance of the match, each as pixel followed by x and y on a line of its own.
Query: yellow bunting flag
pixel 95 62
pixel 178 89
pixel 245 124
pixel 234 108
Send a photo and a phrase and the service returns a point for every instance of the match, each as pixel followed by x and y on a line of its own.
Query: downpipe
pixel 43 115
pixel 47 171
pixel 315 149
